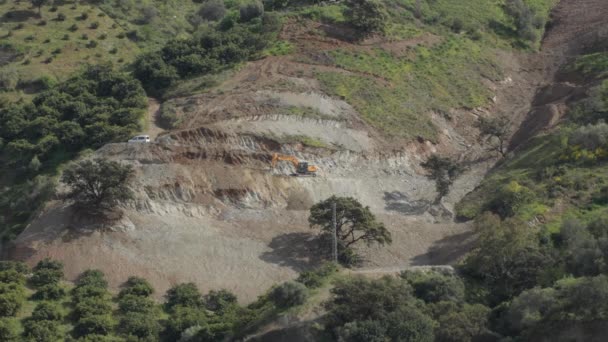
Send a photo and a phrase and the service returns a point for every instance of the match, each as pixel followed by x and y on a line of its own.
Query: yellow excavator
pixel 302 167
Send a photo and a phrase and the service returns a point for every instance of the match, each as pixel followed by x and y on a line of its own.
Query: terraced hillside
pixel 367 111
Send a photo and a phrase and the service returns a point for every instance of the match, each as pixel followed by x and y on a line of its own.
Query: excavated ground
pixel 210 210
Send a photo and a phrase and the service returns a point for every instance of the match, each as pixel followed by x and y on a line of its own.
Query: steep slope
pixel 209 209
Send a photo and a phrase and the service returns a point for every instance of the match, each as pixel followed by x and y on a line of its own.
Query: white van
pixel 140 139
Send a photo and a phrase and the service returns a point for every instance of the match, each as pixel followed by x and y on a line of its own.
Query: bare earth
pixel 209 210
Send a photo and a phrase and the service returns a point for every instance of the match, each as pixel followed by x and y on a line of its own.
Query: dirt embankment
pixel 210 210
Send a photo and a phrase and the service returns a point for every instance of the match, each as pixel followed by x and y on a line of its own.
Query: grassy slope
pixel 562 190
pixel 37 43
pixel 395 93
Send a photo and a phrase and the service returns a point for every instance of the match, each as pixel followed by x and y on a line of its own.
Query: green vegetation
pixel 95 107
pixel 88 312
pixel 29 69
pixel 98 186
pixel 443 171
pixel 354 223
pixel 391 92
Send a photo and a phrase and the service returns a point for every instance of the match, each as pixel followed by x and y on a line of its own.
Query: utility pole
pixel 334 224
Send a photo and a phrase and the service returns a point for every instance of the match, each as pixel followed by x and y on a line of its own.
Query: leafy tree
pixel 433 287
pixel 379 310
pixel 46 312
pixel 131 303
pixel 44 277
pixel 212 10
pixel 136 286
pixel 288 294
pixel 98 185
pixel 524 18
pixel 354 223
pixel 443 171
pixel 94 278
pixel 91 306
pixel 508 258
pixel 41 331
pixel 49 292
pixel 366 15
pixel 218 301
pixel 465 324
pixel 509 199
pixel 94 325
pixel 11 276
pixel 497 128
pixel 251 10
pixel 154 73
pixel 186 295
pixel 182 318
pixel 364 331
pixel 9 330
pixel 140 325
pixel 17 266
pixel 11 302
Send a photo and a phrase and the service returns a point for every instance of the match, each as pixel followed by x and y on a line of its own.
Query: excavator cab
pixel 302 168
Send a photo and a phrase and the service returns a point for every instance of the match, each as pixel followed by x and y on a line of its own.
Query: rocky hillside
pixel 366 109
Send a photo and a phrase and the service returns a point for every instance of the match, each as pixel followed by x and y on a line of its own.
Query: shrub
pixel 433 287
pixel 366 15
pixel 186 295
pixel 98 325
pixel 73 28
pixel 82 292
pixel 41 331
pixel 140 325
pixel 91 306
pixel 16 266
pixel 251 10
pixel 132 303
pixel 66 37
pixel 84 16
pixel 84 36
pixel 102 36
pixel 9 330
pixel 113 50
pixel 47 272
pixel 136 286
pixel 11 276
pixel 94 25
pixel 212 10
pixel 313 279
pixel 288 294
pixel 510 198
pixel 10 303
pixel 148 14
pixel 42 23
pixel 219 300
pixel 49 292
pixel 62 17
pixel 46 312
pixel 94 278
pixel 92 44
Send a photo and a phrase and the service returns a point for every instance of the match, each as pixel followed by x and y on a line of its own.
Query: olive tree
pixel 98 185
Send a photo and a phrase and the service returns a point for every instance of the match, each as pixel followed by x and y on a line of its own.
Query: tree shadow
pixel 400 202
pixel 447 250
pixel 18 16
pixel 299 251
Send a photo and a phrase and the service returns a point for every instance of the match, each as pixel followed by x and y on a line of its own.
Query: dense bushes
pixel 366 15
pixel 208 51
pixel 95 107
pixel 92 307
pixel 288 294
